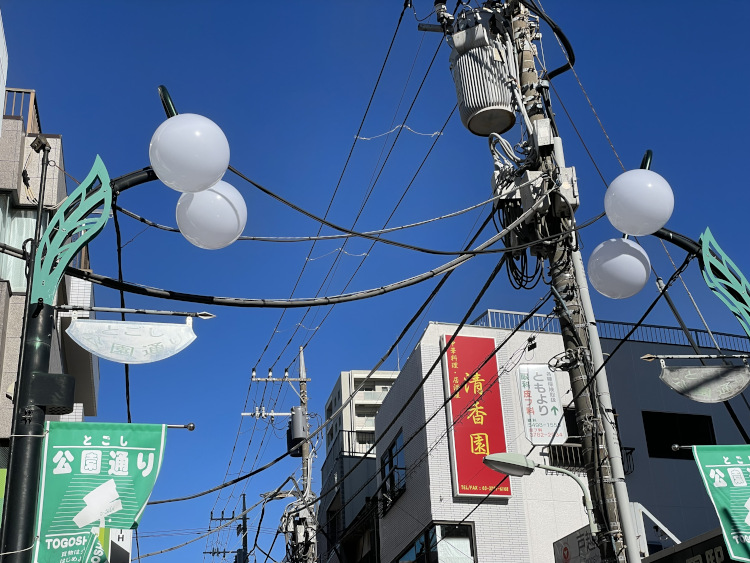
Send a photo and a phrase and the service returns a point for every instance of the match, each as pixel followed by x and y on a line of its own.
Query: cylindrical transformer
pixel 297 431
pixel 481 71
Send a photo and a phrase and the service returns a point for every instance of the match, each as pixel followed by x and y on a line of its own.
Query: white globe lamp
pixel 189 152
pixel 213 218
pixel 639 202
pixel 619 268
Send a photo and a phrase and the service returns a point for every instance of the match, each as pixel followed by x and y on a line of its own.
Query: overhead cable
pixel 346 402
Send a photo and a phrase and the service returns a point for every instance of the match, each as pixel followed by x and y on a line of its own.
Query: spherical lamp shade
pixel 189 152
pixel 213 218
pixel 619 268
pixel 639 202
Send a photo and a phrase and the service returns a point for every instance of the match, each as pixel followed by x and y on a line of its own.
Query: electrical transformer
pixel 483 62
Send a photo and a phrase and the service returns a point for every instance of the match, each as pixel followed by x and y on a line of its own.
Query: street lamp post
pixel 518 465
pixel 73 226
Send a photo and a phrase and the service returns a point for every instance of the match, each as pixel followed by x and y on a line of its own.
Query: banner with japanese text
pixel 725 471
pixel 94 476
pixel 475 415
pixel 542 409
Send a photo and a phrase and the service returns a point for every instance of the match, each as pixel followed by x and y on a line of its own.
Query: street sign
pixel 94 476
pixel 474 415
pixel 577 547
pixel 726 474
pixel 131 342
pixel 706 384
pixel 542 410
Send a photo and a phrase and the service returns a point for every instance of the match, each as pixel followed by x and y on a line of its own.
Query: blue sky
pixel 289 84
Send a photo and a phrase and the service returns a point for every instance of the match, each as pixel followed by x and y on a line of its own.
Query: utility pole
pixel 241 555
pixel 493 65
pixel 299 521
pixel 244 557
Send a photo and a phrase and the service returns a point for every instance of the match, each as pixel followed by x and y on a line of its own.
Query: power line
pixel 348 399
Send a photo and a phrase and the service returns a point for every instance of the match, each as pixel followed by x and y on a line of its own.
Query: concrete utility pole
pixel 493 64
pixel 583 355
pixel 299 522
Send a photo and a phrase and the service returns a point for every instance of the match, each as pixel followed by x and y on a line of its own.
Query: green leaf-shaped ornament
pixel 70 229
pixel 725 279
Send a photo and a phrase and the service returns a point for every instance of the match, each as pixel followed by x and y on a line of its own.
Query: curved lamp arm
pixel 586 497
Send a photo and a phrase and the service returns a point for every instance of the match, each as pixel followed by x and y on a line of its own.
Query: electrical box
pixel 567 185
pixel 297 431
pixel 531 187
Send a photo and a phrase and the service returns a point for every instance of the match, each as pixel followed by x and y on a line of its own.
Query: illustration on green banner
pixel 92 550
pixel 726 474
pixel 94 476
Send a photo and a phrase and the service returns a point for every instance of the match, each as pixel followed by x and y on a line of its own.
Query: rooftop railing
pixel 509 320
pixel 22 103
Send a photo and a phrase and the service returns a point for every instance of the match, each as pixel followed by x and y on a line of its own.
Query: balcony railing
pixel 22 103
pixel 366 423
pixel 348 442
pixel 570 457
pixel 509 320
pixel 372 396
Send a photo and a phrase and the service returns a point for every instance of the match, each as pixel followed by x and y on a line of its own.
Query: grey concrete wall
pixel 10 153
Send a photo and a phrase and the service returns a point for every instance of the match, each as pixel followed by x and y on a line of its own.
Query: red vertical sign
pixel 476 413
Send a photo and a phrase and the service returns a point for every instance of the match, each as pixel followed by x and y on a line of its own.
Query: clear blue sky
pixel 289 84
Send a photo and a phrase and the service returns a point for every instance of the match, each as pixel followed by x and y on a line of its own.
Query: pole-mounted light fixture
pixel 518 465
pixel 33 399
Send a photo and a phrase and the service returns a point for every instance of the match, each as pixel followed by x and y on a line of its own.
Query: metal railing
pixel 509 320
pixel 22 103
pixel 570 457
pixel 372 396
pixel 348 442
pixel 673 335
pixel 566 456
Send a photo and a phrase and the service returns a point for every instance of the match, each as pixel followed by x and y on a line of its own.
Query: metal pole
pixel 26 441
pixel 306 485
pixel 27 428
pixel 595 453
pixel 303 405
pixel 245 556
pixel 606 415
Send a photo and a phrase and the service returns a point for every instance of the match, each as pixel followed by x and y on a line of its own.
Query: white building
pixel 427 511
pixel 349 438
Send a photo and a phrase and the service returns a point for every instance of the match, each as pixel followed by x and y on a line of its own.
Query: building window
pixel 16 226
pixel 441 543
pixel 393 471
pixel 666 428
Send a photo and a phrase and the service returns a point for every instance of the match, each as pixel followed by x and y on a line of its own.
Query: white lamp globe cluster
pixel 190 154
pixel 638 202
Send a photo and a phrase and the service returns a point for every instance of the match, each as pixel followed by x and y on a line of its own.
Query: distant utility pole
pixel 493 64
pixel 241 555
pixel 300 521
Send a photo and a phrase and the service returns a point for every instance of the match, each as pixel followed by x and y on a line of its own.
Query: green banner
pixel 94 475
pixel 726 474
pixel 93 551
